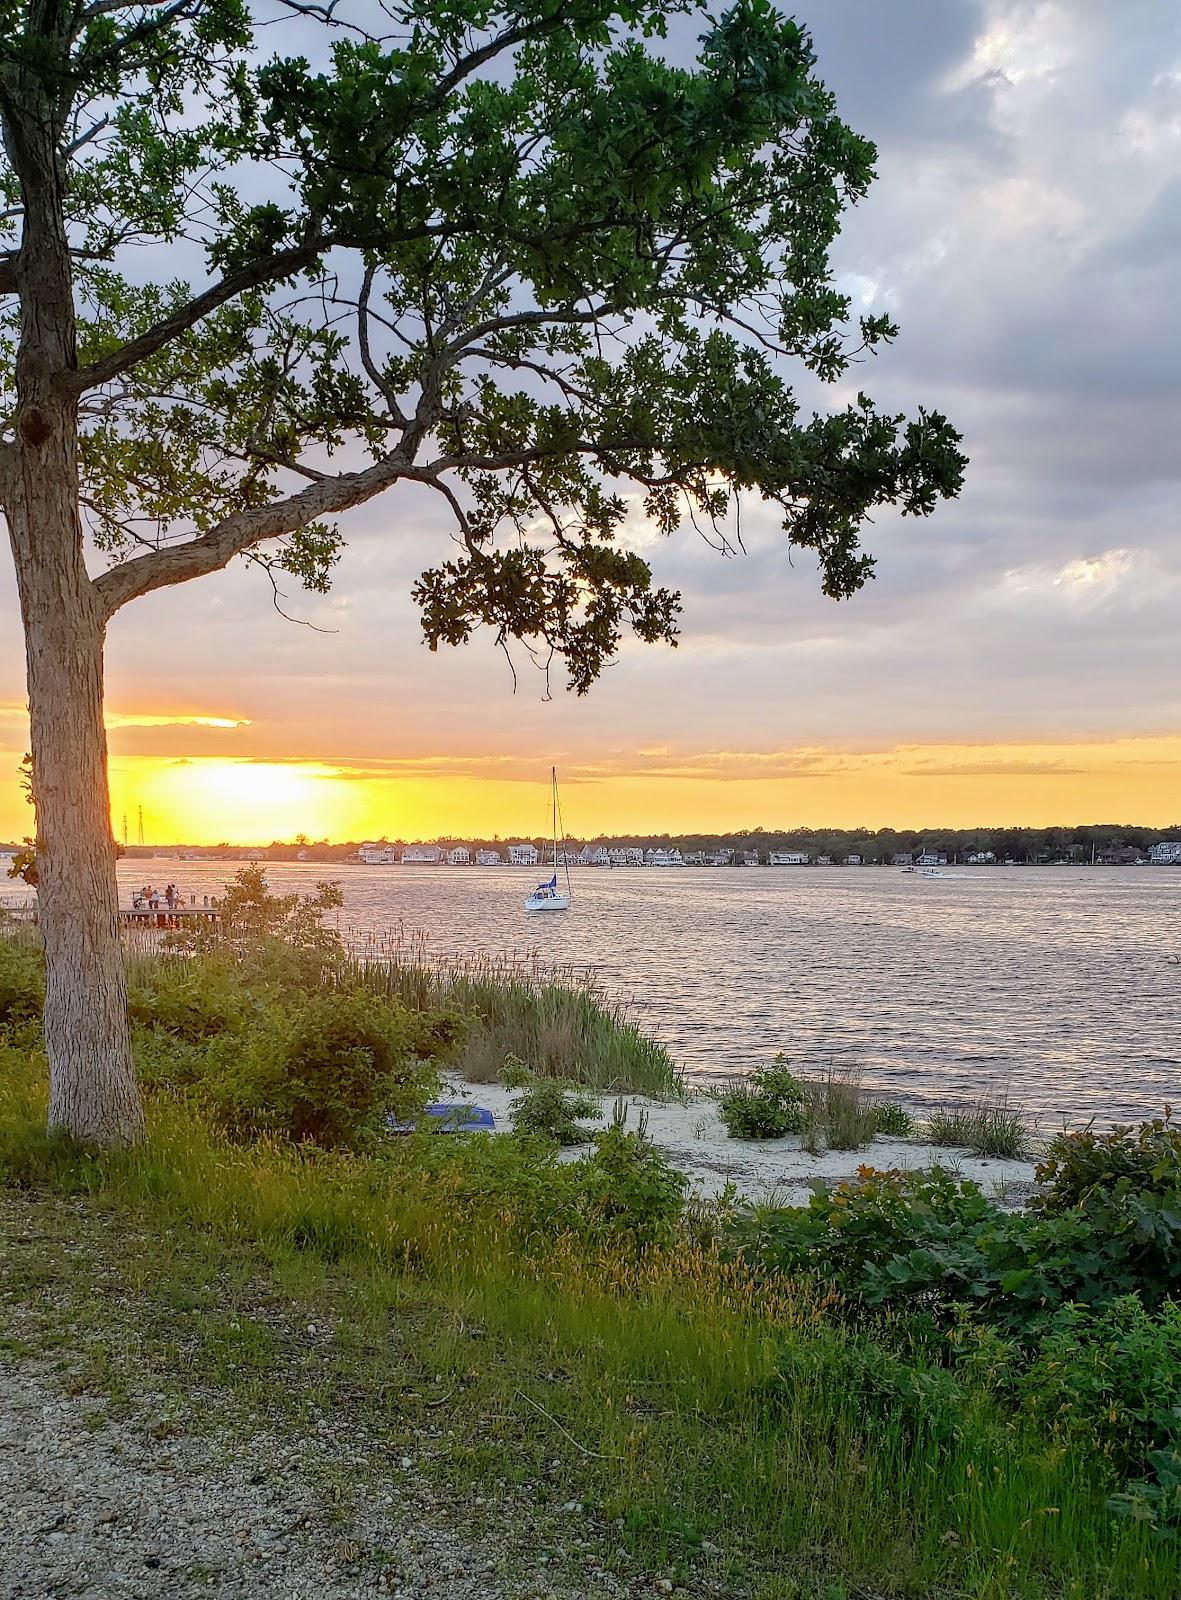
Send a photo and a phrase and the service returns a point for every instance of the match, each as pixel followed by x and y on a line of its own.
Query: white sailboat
pixel 548 896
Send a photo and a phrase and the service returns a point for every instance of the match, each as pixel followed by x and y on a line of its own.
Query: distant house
pixel 824 861
pixel 522 855
pixel 489 858
pixel 852 861
pixel 461 856
pixel 932 858
pixel 593 855
pixel 378 855
pixel 302 856
pixel 695 858
pixel 903 859
pixel 981 858
pixel 1166 854
pixel 422 855
pixel 788 858
pixel 750 858
pixel 628 856
pixel 720 858
pixel 663 858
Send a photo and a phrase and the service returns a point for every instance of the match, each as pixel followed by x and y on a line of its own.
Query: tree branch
pixel 266 270
pixel 236 534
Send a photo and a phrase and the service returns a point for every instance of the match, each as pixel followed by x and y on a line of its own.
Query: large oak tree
pixel 504 249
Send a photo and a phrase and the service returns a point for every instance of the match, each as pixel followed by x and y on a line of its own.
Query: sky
pixel 1017 658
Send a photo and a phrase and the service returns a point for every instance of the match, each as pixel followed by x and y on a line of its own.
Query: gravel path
pixel 126 1508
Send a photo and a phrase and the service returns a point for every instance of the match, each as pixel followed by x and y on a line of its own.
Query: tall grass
pixel 985 1127
pixel 836 1114
pixel 706 1403
pixel 558 1020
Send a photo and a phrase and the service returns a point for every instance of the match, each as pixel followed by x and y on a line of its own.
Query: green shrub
pixel 1079 1166
pixel 22 985
pixel 767 1105
pixel 893 1119
pixel 627 1185
pixel 1105 1383
pixel 191 999
pixel 927 1240
pixel 549 1111
pixel 322 1067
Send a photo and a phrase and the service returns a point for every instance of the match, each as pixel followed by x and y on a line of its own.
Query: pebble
pixel 217 1525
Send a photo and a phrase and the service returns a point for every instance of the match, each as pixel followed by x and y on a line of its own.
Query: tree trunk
pixel 92 1088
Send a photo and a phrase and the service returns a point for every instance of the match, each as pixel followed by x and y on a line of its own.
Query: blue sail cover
pixel 552 884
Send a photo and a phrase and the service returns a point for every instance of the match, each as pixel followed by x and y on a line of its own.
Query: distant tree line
pixel 875 846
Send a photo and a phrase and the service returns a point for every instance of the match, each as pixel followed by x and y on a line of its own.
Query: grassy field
pixel 738 1433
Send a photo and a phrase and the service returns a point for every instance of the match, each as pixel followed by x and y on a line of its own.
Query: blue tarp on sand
pixel 449 1117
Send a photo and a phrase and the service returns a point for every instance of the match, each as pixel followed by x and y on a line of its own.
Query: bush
pixel 192 999
pixel 893 1119
pixel 1103 1382
pixel 549 1111
pixel 767 1105
pixel 627 1185
pixel 1077 1167
pixel 323 1067
pixel 22 985
pixel 911 1239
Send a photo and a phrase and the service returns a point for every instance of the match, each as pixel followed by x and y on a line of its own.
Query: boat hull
pixel 551 902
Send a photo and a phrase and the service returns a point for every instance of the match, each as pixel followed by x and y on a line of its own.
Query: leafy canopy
pixel 511 252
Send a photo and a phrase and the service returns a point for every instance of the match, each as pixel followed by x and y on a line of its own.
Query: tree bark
pixel 92 1093
pixel 92 1089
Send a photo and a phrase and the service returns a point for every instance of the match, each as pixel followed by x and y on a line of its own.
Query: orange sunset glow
pixel 243 800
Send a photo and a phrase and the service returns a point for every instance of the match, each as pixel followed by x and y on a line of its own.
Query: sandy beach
pixel 691 1134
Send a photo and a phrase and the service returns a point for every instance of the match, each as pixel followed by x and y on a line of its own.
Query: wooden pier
pixel 163 916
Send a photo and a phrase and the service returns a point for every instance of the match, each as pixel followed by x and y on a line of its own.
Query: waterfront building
pixel 932 858
pixel 824 861
pixel 461 856
pixel 981 858
pixel 377 855
pixel 750 858
pixel 522 855
pixel 628 856
pixel 852 861
pixel 596 855
pixel 695 858
pixel 720 858
pixel 419 855
pixel 1166 854
pixel 663 858
pixel 788 858
pixel 489 858
pixel 903 859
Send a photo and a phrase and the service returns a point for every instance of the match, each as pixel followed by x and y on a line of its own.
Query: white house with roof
pixel 788 858
pixel 852 861
pixel 1166 854
pixel 422 855
pixel 461 856
pixel 664 858
pixel 522 855
pixel 377 855
pixel 489 858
